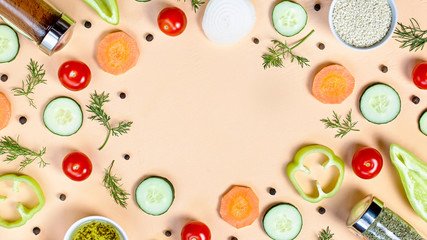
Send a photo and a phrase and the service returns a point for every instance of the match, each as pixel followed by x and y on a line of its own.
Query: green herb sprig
pixel 96 103
pixel 411 36
pixel 280 51
pixel 13 150
pixel 34 78
pixel 326 234
pixel 343 127
pixel 196 4
pixel 112 183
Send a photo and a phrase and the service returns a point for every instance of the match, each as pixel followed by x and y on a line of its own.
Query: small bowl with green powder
pixel 97 228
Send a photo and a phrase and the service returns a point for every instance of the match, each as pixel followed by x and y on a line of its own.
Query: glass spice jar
pixel 39 21
pixel 372 221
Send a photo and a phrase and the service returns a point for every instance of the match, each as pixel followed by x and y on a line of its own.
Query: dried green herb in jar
pixel 96 230
pixel 372 221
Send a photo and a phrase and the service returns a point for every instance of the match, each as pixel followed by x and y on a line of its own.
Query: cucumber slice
pixel 289 18
pixel 155 195
pixel 380 103
pixel 63 116
pixel 9 44
pixel 422 123
pixel 282 222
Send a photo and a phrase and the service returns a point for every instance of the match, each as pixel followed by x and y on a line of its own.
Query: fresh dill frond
pixel 112 183
pixel 343 127
pixel 280 51
pixel 196 4
pixel 411 36
pixel 13 150
pixel 326 234
pixel 34 78
pixel 96 103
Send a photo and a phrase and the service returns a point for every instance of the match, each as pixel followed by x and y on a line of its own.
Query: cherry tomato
pixel 195 231
pixel 172 21
pixel 419 75
pixel 77 166
pixel 367 163
pixel 74 75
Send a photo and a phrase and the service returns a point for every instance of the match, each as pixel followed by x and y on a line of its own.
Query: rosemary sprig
pixel 411 36
pixel 112 183
pixel 280 51
pixel 13 150
pixel 343 127
pixel 326 234
pixel 195 4
pixel 34 78
pixel 96 103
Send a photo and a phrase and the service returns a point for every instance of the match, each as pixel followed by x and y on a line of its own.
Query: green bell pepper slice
pixel 26 213
pixel 413 174
pixel 298 165
pixel 106 9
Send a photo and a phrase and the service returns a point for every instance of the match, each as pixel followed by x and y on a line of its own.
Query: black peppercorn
pixel 4 77
pixel 233 238
pixel 62 197
pixel 384 68
pixel 321 210
pixel 415 99
pixel 122 95
pixel 317 7
pixel 168 233
pixel 272 191
pixel 149 37
pixel 88 24
pixel 255 40
pixel 22 120
pixel 126 157
pixel 36 230
pixel 321 46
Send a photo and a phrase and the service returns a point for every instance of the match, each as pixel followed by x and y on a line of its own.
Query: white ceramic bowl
pixel 386 37
pixel 95 218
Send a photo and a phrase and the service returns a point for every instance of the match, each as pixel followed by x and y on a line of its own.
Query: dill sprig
pixel 280 51
pixel 13 150
pixel 195 4
pixel 343 127
pixel 34 78
pixel 112 183
pixel 326 234
pixel 96 103
pixel 411 36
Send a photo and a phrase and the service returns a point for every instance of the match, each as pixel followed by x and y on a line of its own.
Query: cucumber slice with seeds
pixel 63 116
pixel 9 44
pixel 380 103
pixel 422 123
pixel 282 222
pixel 155 195
pixel 289 18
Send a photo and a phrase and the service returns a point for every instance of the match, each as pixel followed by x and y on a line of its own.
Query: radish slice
pixel 226 22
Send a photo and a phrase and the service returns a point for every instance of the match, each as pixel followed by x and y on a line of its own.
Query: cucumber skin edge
pixel 278 204
pixel 19 45
pixel 173 194
pixel 81 124
pixel 274 25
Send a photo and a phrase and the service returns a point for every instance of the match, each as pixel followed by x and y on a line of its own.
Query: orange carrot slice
pixel 333 84
pixel 239 206
pixel 117 53
pixel 5 111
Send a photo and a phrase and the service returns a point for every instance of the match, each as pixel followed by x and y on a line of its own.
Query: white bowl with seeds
pixel 362 24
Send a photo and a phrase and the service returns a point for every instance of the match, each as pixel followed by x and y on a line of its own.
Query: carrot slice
pixel 239 206
pixel 333 84
pixel 5 111
pixel 117 53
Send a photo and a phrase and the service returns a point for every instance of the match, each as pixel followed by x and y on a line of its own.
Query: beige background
pixel 208 117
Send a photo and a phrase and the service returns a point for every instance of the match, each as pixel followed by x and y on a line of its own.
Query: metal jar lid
pixel 364 213
pixel 58 35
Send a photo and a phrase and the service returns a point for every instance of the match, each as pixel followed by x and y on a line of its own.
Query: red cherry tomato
pixel 419 75
pixel 77 166
pixel 74 75
pixel 367 163
pixel 172 21
pixel 195 231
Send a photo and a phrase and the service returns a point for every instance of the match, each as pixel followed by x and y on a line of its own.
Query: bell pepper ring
pixel 298 165
pixel 25 212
